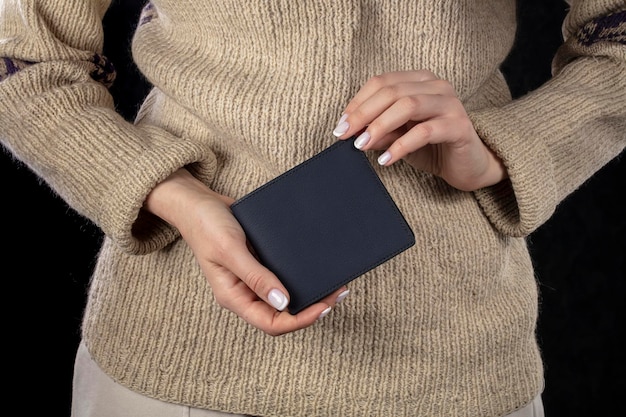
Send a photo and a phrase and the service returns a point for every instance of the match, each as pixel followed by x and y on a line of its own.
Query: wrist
pixel 171 198
pixel 496 170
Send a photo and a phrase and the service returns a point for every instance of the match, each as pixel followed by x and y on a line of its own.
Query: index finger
pixel 377 82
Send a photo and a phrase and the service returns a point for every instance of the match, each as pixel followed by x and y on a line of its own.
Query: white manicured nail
pixel 342 296
pixel 362 140
pixel 277 299
pixel 324 313
pixel 342 126
pixel 384 158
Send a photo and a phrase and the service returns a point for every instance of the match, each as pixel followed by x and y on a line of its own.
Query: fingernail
pixel 342 296
pixel 362 140
pixel 342 126
pixel 277 299
pixel 324 313
pixel 384 158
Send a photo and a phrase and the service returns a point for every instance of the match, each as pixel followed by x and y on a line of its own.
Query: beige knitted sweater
pixel 246 89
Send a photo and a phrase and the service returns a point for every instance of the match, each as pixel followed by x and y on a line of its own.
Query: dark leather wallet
pixel 323 223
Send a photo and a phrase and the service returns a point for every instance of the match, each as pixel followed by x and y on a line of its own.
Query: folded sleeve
pixel 58 118
pixel 556 137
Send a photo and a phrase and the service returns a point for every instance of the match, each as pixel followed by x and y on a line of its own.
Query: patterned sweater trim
pixel 10 66
pixel 609 28
pixel 103 71
pixel 147 14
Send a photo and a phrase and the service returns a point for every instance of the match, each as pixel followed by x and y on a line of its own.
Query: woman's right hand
pixel 239 282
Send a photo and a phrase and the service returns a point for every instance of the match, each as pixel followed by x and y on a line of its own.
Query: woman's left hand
pixel 415 116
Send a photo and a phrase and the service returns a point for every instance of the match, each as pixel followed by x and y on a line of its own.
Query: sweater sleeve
pixel 58 117
pixel 556 137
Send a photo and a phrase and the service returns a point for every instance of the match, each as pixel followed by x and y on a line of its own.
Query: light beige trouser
pixel 95 394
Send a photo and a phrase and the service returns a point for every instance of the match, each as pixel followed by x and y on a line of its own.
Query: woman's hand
pixel 417 116
pixel 239 282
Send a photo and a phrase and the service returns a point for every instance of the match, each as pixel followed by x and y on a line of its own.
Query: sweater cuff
pixel 133 229
pixel 520 204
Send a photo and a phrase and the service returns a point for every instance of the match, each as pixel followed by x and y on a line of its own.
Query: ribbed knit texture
pixel 244 90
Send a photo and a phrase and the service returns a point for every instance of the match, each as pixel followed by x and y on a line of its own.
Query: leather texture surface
pixel 323 223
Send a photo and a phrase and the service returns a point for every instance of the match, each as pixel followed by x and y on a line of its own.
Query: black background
pixel 578 253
